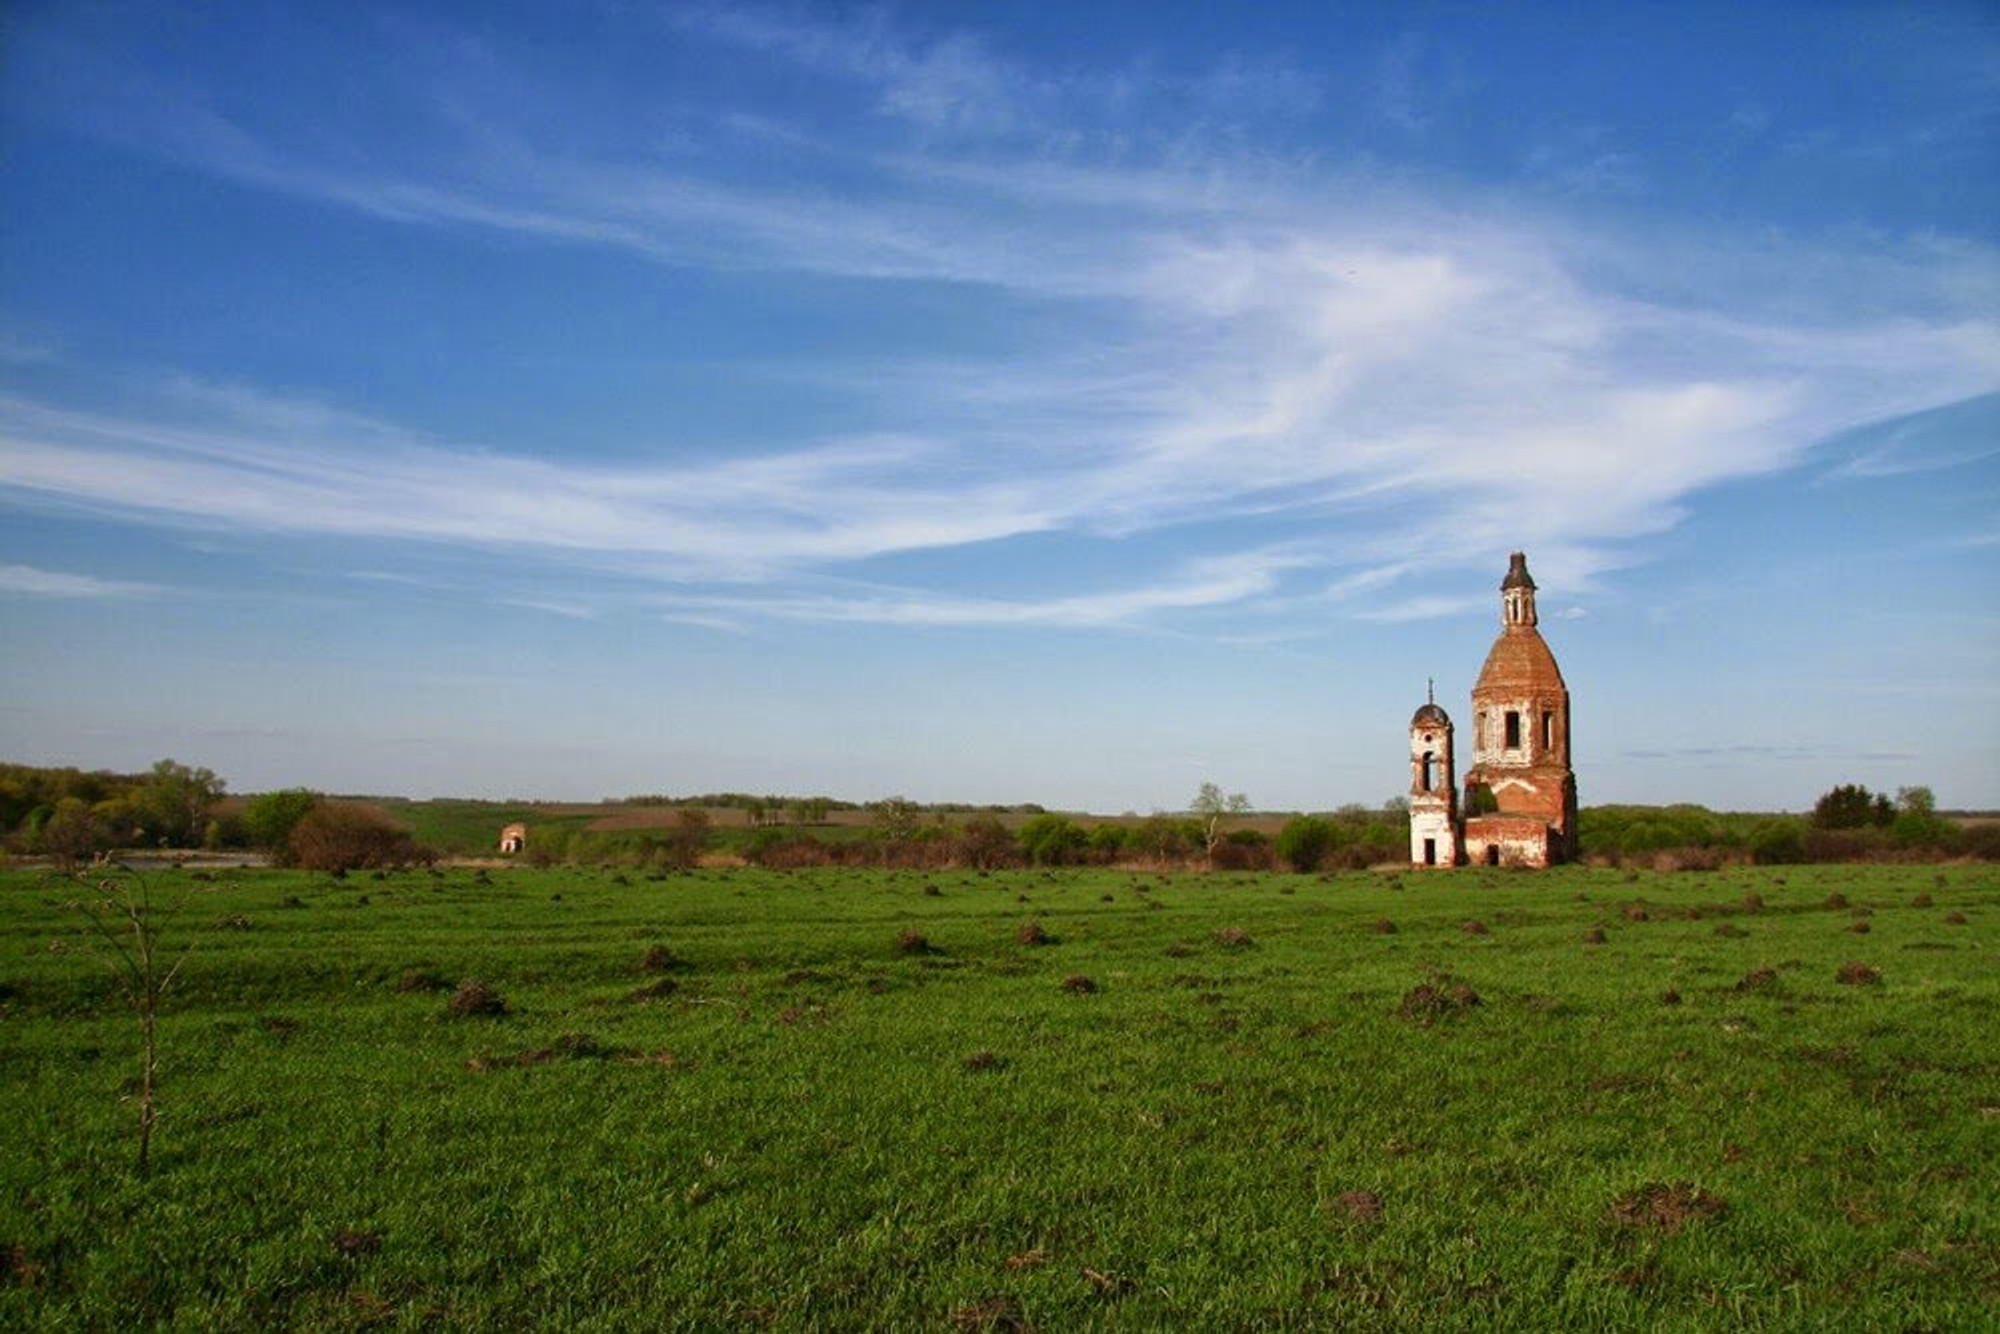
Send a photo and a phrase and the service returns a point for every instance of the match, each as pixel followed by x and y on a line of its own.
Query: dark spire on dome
pixel 1428 713
pixel 1517 573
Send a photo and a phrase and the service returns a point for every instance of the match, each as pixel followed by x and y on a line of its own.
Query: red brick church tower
pixel 1520 794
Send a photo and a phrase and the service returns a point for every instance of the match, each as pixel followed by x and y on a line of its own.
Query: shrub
pixel 1243 850
pixel 340 838
pixel 983 842
pixel 269 819
pixel 1305 842
pixel 1050 840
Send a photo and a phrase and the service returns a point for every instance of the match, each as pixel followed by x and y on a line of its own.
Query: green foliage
pixel 1779 842
pixel 72 834
pixel 1052 840
pixel 1851 806
pixel 170 807
pixel 270 818
pixel 1305 842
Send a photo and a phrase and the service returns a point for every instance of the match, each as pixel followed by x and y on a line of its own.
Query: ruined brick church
pixel 1520 794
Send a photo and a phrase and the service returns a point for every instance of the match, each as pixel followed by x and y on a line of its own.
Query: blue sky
pixel 1067 403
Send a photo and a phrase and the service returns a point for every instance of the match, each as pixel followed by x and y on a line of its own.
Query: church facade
pixel 1519 800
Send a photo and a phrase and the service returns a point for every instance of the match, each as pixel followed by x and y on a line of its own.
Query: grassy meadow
pixel 869 1099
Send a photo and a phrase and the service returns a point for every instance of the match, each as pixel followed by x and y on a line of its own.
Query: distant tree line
pixel 1848 823
pixel 71 815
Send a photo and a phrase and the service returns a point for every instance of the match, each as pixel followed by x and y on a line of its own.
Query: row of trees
pixel 1848 823
pixel 70 814
pixel 71 817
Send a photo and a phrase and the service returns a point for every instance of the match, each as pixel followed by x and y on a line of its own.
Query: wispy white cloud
pixel 1243 343
pixel 29 581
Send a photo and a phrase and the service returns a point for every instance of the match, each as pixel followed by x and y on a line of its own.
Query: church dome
pixel 1430 715
pixel 1519 661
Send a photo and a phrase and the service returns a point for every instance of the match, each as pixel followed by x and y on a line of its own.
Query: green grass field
pixel 808 1125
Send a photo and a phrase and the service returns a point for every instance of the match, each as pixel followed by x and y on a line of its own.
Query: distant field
pixel 1260 1110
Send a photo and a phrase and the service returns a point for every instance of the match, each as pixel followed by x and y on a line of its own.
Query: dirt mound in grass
pixel 992 1315
pixel 353 1241
pixel 1858 975
pixel 1665 1207
pixel 1441 998
pixel 1758 980
pixel 475 998
pixel 662 959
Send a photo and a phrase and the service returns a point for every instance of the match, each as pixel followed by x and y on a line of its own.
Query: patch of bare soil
pixel 351 1241
pixel 912 941
pixel 568 1047
pixel 16 1269
pixel 1955 918
pixel 991 1315
pixel 1361 1206
pixel 1475 928
pixel 1234 938
pixel 1030 1259
pixel 1033 933
pixel 981 1061
pixel 1383 927
pixel 1665 1207
pixel 1858 975
pixel 1079 985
